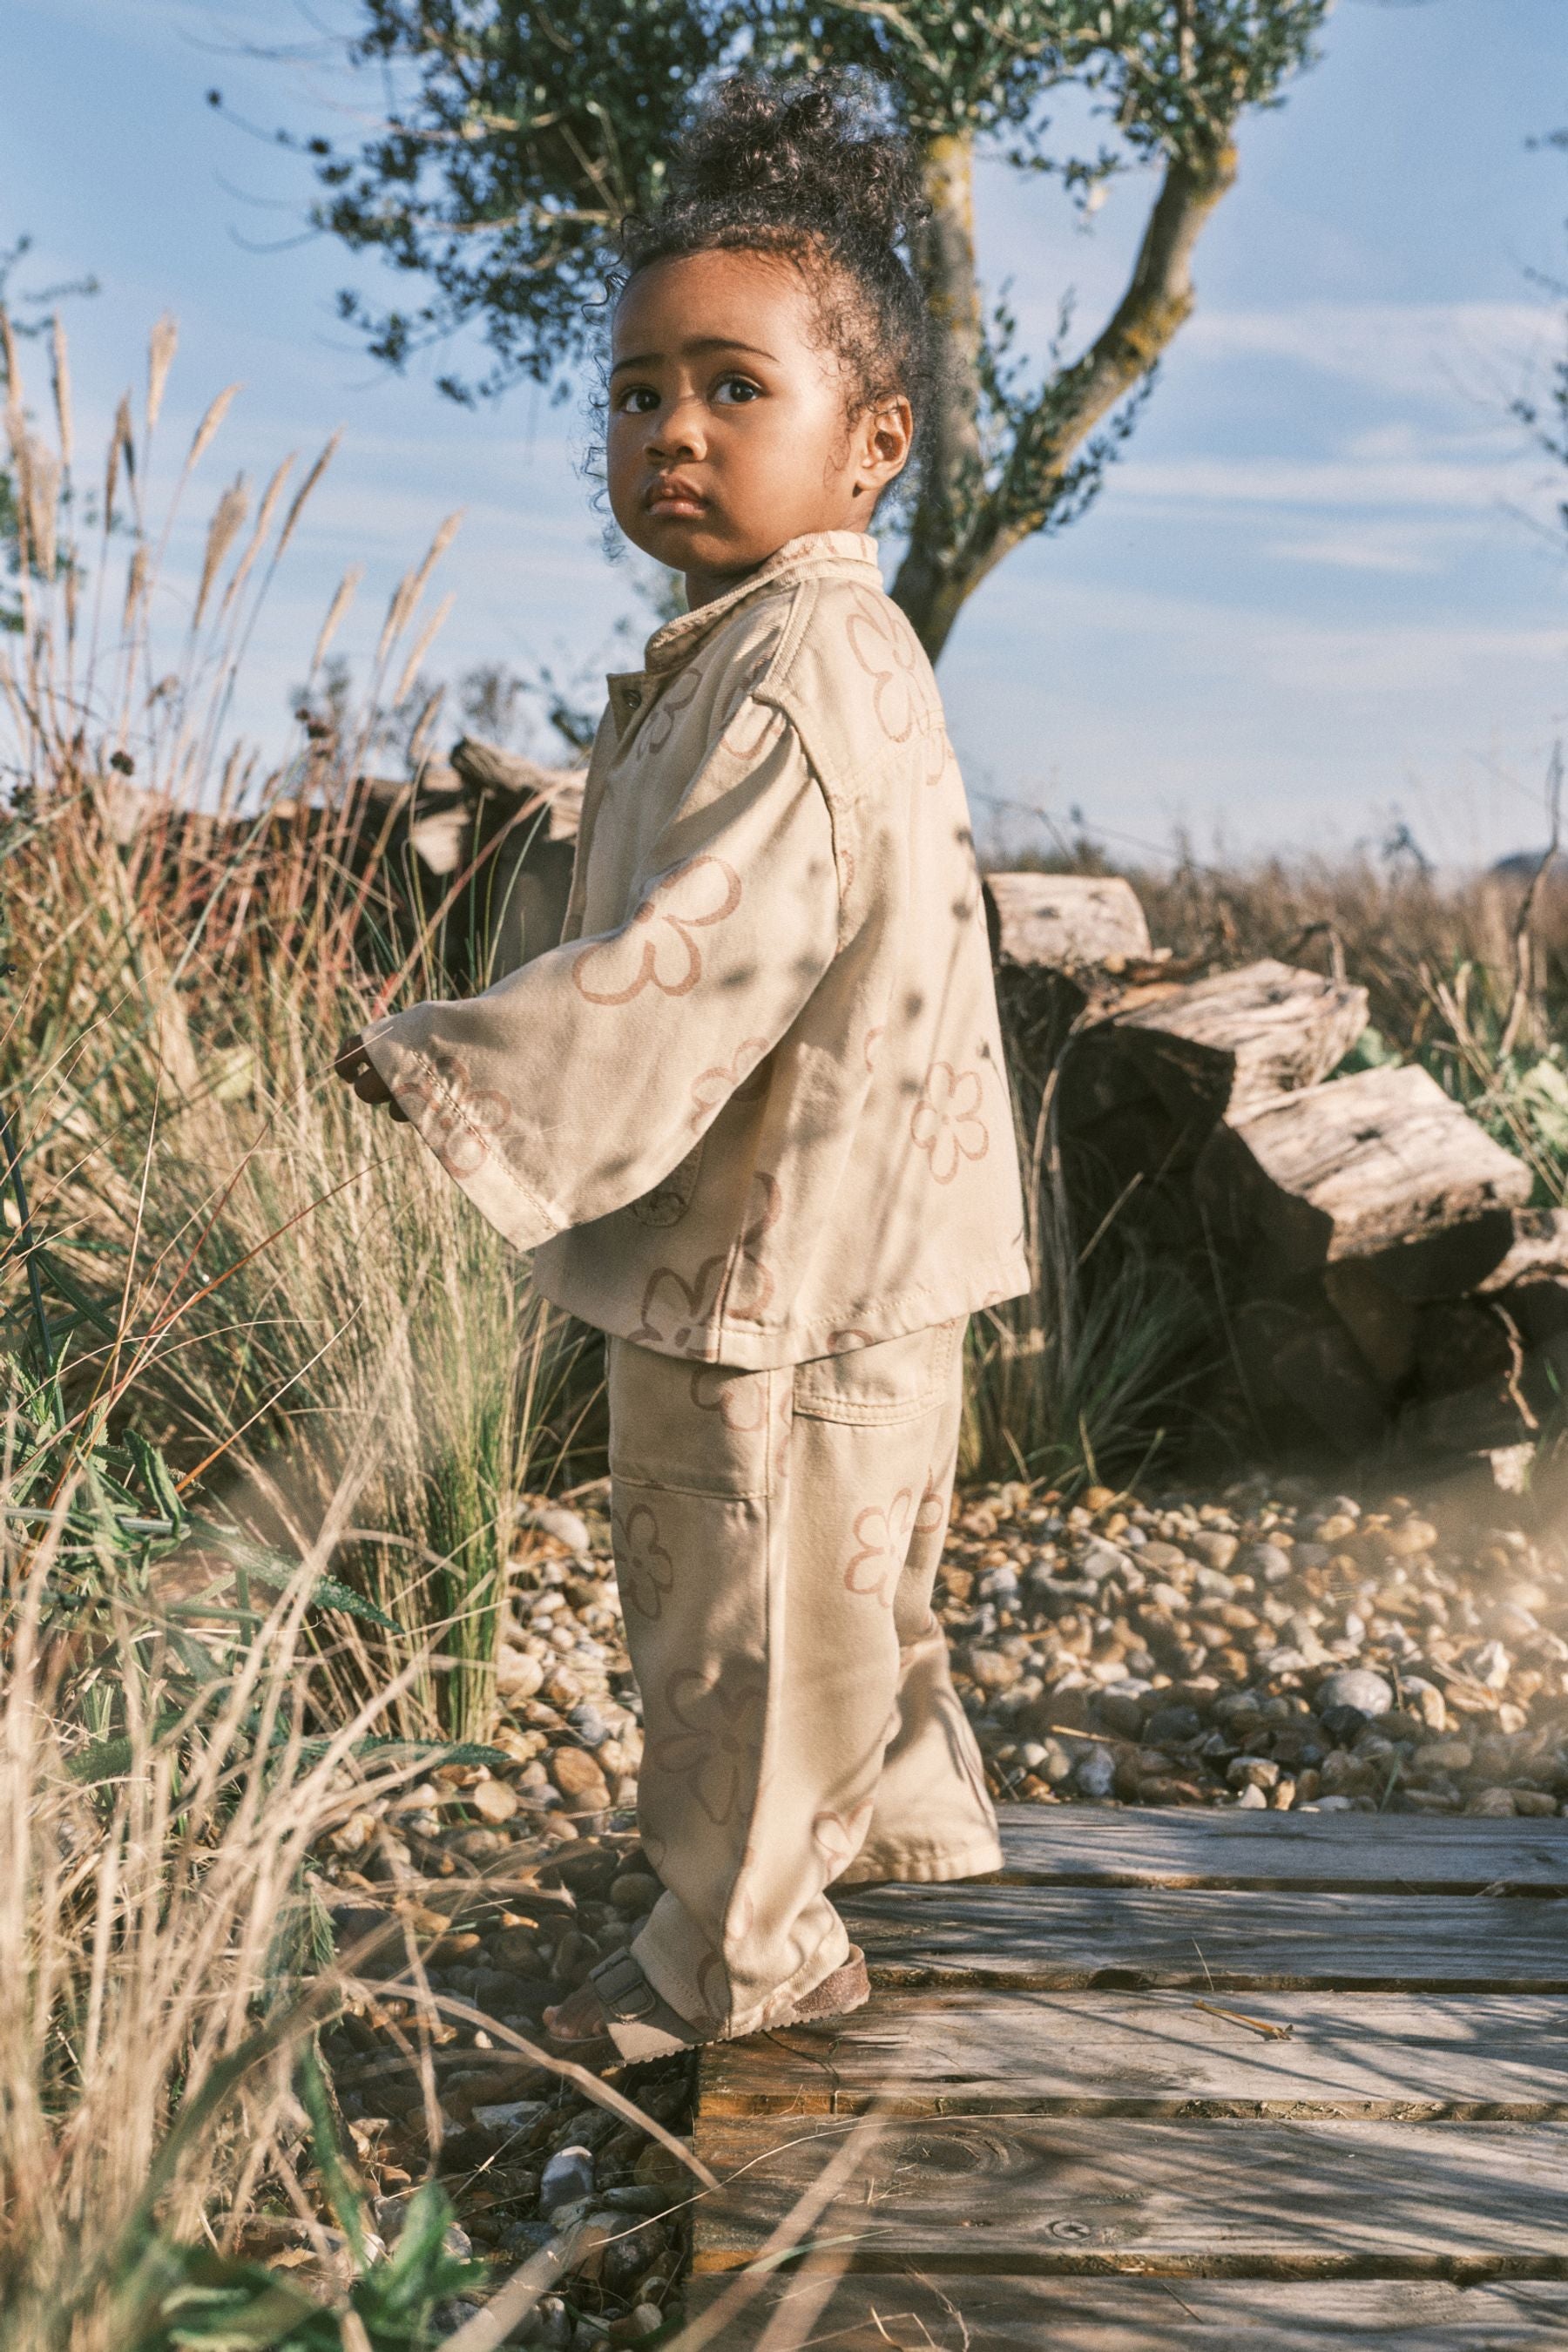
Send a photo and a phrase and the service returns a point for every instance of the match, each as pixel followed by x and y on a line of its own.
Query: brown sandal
pixel 639 2024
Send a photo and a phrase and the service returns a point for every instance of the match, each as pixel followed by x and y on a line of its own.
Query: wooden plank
pixel 1040 2195
pixel 983 2314
pixel 1108 1939
pixel 972 2051
pixel 1401 1854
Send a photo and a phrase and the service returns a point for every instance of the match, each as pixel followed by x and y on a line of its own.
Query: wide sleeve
pixel 577 1083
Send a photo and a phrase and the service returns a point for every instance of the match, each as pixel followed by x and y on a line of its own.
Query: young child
pixel 752 1114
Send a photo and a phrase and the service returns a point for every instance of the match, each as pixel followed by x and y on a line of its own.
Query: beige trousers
pixel 776 1536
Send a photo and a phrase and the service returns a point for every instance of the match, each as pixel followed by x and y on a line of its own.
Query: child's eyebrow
pixel 701 344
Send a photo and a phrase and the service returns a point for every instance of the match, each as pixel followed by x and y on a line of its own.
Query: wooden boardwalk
pixel 1254 2082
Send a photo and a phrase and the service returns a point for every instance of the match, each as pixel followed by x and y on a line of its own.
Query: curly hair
pixel 806 171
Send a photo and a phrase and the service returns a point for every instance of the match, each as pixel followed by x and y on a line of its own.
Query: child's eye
pixel 636 400
pixel 737 388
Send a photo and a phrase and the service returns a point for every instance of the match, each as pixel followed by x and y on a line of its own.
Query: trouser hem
pixel 922 1869
pixel 830 1954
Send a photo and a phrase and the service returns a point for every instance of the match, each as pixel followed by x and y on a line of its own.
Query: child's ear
pixel 887 432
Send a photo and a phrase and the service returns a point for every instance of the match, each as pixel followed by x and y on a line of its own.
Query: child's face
pixel 727 427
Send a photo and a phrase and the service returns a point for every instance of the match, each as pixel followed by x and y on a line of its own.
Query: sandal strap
pixel 623 1990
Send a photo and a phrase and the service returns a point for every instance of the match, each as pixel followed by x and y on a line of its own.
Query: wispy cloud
pixel 1407 350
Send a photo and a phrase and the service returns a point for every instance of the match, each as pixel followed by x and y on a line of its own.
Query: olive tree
pixel 519 134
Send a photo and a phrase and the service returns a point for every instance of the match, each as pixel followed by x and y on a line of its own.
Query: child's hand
pixel 357 1069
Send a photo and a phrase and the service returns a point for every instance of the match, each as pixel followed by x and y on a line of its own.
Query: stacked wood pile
pixel 478 847
pixel 1377 1268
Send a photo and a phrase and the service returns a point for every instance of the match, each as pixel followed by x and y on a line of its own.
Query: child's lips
pixel 674 499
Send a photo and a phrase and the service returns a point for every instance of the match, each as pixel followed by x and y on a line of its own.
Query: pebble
pixel 494 1801
pixel 1491 1665
pixel 1357 1688
pixel 517 1676
pixel 580 1780
pixel 566 2178
pixel 644 2320
pixel 567 1526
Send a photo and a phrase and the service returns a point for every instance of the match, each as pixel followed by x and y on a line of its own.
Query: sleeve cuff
pixel 458 1131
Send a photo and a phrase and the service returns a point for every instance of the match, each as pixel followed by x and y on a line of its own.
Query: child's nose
pixel 681 432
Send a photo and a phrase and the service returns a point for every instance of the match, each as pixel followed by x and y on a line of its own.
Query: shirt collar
pixel 816 551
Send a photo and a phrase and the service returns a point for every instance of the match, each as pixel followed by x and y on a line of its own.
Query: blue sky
pixel 1323 587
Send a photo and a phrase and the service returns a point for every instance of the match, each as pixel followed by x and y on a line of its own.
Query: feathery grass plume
pixel 121 443
pixel 229 521
pixel 420 732
pixel 422 645
pixel 206 431
pixel 155 1830
pixel 138 576
pixel 411 587
pixel 40 487
pixel 161 348
pixel 347 589
pixel 8 351
pixel 304 490
pixel 264 514
pixel 61 380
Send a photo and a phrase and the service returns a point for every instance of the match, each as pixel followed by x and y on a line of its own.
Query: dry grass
pixel 339 1361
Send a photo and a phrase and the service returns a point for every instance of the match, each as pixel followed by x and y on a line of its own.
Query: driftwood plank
pixel 1205 2200
pixel 971 2052
pixel 1357 1164
pixel 968 2314
pixel 1124 1938
pixel 1396 1854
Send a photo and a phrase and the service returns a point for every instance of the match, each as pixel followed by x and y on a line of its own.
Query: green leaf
pixel 157 1478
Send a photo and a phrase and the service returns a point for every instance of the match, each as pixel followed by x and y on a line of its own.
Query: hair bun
pixel 799 154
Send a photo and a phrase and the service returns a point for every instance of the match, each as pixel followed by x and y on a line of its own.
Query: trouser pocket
pixel 892 1380
pixel 695 1429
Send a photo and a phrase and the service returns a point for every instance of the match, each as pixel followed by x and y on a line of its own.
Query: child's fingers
pixel 353 1065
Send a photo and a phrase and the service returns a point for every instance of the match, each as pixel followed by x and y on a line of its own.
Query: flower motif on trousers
pixel 718 1740
pixel 883 1536
pixel 646 1570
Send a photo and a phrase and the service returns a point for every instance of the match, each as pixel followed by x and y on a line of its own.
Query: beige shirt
pixel 752 1110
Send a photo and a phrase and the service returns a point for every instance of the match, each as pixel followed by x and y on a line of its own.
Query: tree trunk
pixel 961 530
pixel 954 480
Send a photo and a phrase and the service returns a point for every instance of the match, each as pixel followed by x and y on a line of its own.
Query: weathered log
pixel 1538 1244
pixel 1064 920
pixel 554 793
pixel 1304 1376
pixel 1379 1320
pixel 1490 1370
pixel 1467 1343
pixel 1351 1167
pixel 1227 1044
